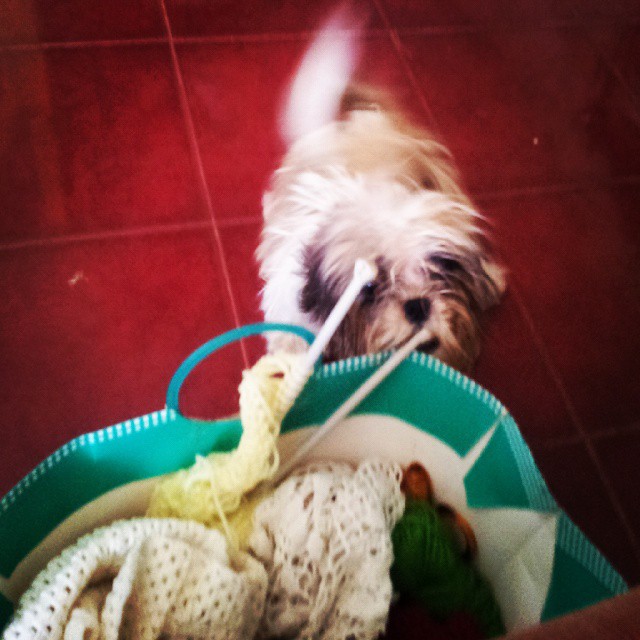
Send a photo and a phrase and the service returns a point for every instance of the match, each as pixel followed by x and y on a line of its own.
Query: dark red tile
pixel 227 17
pixel 519 108
pixel 75 20
pixel 511 367
pixel 240 243
pixel 573 480
pixel 501 13
pixel 92 333
pixel 622 50
pixel 619 111
pixel 409 14
pixel 576 261
pixel 619 456
pixel 616 13
pixel 236 93
pixel 93 140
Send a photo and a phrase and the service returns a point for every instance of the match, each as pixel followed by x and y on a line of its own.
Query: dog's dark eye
pixel 368 292
pixel 446 263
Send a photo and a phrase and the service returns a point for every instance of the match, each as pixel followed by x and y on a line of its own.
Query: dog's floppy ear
pixel 497 277
pixel 318 295
pixel 482 278
pixel 323 75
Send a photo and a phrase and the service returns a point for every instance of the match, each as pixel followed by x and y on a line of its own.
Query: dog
pixel 360 181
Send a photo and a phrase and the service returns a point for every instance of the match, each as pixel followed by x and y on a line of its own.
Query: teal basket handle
pixel 203 352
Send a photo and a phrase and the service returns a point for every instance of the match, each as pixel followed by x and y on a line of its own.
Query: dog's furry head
pixel 368 185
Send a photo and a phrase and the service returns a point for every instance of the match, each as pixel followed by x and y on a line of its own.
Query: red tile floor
pixel 136 140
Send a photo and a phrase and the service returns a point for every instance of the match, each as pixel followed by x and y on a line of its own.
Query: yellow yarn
pixel 239 524
pixel 217 483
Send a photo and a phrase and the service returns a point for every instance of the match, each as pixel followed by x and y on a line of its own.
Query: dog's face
pixel 432 271
pixel 368 187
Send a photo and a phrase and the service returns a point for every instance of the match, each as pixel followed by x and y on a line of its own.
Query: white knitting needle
pixel 363 272
pixel 353 401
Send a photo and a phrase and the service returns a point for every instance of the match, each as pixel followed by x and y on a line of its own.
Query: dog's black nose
pixel 417 310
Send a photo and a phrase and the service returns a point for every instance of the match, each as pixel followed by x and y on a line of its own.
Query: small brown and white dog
pixel 360 182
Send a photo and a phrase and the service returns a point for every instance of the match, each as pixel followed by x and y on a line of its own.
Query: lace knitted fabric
pixel 325 539
pixel 140 580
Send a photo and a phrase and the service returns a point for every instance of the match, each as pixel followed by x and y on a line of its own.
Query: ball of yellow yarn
pixel 217 483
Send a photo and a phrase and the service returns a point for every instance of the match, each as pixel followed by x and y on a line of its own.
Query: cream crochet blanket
pixel 325 539
pixel 323 546
pixel 141 580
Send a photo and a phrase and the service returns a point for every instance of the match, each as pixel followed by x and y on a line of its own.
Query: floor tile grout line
pixel 270 37
pixel 396 35
pixel 556 443
pixel 238 221
pixel 602 433
pixel 611 493
pixel 582 435
pixel 97 236
pixel 463 28
pixel 546 358
pixel 400 50
pixel 613 496
pixel 124 233
pixel 193 141
pixel 81 44
pixel 611 432
pixel 613 68
pixel 586 440
pixel 222 39
pixel 558 188
pixel 306 34
pixel 615 72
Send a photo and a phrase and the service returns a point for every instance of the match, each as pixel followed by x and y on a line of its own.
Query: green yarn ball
pixel 428 568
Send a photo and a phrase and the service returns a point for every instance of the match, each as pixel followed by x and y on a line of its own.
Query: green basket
pixel 539 563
